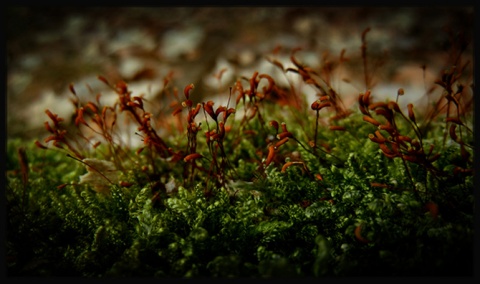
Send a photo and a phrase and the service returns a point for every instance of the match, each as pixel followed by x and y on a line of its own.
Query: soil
pixel 49 48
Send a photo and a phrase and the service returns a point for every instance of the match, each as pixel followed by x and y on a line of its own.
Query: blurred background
pixel 48 48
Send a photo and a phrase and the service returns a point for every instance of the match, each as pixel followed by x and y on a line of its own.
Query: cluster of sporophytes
pixel 268 185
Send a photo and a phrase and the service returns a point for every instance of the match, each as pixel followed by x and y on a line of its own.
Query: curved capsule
pixel 271 154
pixel 358 235
pixel 411 114
pixel 187 90
pixel 371 120
pixel 281 142
pixel 192 157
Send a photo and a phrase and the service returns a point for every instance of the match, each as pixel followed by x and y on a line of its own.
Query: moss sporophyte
pixel 272 183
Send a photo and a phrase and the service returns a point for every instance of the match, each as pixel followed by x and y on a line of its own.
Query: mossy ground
pixel 272 184
pixel 260 225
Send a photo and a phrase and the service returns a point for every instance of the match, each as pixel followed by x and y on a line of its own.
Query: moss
pixel 242 193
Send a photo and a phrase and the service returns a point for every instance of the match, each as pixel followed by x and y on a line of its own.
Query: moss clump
pixel 272 185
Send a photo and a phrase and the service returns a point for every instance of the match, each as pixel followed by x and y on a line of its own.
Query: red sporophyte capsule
pixel 103 79
pixel 271 83
pixel 219 110
pixel 219 75
pixel 293 59
pixel 387 127
pixel 271 154
pixel 192 113
pixel 131 104
pixel 366 98
pixel 386 150
pixel 379 135
pixel 62 186
pixel 50 138
pixel 459 170
pixel 281 142
pixel 193 127
pixel 241 95
pixel 361 106
pixel 48 127
pixel 375 139
pixel 324 98
pixel 139 101
pixel 97 119
pixel 309 70
pixel 221 134
pixel 364 33
pixel 411 114
pixel 55 143
pixel 55 118
pixel 208 107
pixel 197 109
pixel 146 140
pixel 92 107
pixel 72 89
pixel 282 135
pixel 104 111
pixel 207 136
pixel 391 156
pixel 192 157
pixel 121 87
pixel 79 119
pixel 410 158
pixel 403 138
pixel 452 132
pixel 286 165
pixel 176 111
pixel 187 90
pixel 395 147
pixel 400 92
pixel 393 106
pixel 274 124
pixel 187 103
pixel 284 127
pixel 377 105
pixel 238 87
pixel 317 105
pixel 358 235
pixel 126 184
pixel 385 113
pixel 377 184
pixel 253 84
pixel 454 120
pixel 228 113
pixel 96 144
pixel 277 63
pixel 371 120
pixel 39 145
